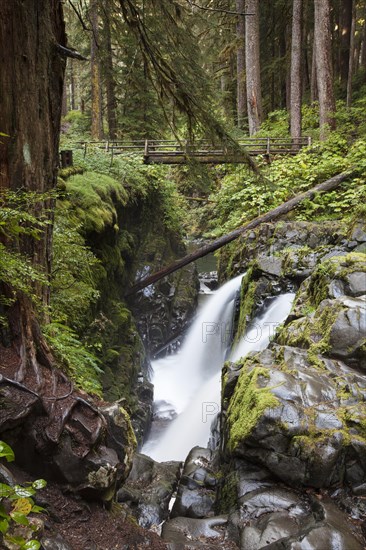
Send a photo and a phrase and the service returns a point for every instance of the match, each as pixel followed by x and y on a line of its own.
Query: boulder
pixel 193 532
pixel 149 489
pixel 304 421
pixel 83 454
pixel 196 491
pixel 272 516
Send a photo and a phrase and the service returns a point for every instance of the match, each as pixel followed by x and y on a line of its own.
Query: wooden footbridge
pixel 155 151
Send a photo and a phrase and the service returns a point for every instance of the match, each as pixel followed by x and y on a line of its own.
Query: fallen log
pixel 284 208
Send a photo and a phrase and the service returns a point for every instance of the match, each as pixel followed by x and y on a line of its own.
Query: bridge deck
pixel 175 152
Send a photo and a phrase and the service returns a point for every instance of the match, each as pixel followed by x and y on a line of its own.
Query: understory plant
pixel 17 527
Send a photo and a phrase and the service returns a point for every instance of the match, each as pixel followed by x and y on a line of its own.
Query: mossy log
pixel 280 210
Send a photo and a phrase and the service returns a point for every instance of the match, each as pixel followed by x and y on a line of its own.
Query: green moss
pixel 312 333
pixel 131 438
pixel 227 500
pixel 248 403
pixel 247 302
pixel 337 267
pixel 66 173
pixel 95 197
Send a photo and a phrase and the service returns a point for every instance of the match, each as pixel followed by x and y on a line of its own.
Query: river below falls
pixel 187 384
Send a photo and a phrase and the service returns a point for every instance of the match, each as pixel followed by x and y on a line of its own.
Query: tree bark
pixel 96 81
pixel 314 80
pixel 284 208
pixel 296 72
pixel 72 86
pixel 351 56
pixel 345 23
pixel 323 54
pixel 252 65
pixel 30 114
pixel 241 97
pixel 110 85
pixel 31 83
pixel 363 46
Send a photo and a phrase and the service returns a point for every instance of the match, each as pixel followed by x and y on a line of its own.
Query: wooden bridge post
pixel 268 146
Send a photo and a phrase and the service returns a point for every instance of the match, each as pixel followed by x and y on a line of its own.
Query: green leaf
pixel 6 451
pixel 4 526
pixel 23 491
pixel 31 545
pixel 5 490
pixel 20 518
pixel 39 484
pixel 37 509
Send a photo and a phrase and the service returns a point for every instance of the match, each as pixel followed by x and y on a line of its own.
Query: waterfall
pixel 187 384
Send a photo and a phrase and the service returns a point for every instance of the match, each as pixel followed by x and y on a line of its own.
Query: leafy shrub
pixel 81 365
pixel 16 504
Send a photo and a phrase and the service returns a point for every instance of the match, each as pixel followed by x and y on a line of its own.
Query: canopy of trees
pixel 231 60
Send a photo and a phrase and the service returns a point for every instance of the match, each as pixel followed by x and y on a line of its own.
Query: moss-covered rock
pixel 298 419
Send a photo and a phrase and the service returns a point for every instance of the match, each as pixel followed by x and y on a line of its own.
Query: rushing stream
pixel 187 384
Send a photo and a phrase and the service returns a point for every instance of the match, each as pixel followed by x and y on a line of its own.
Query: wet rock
pixel 196 494
pixel 141 417
pixel 270 515
pixel 6 476
pixel 163 310
pixel 149 488
pixel 356 283
pixel 359 233
pixel 82 455
pixel 270 264
pixel 183 530
pixel 209 279
pixel 303 422
pixel 54 542
pixel 298 240
pixel 325 318
pixel 348 331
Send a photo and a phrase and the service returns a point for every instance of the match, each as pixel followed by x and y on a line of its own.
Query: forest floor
pixel 86 525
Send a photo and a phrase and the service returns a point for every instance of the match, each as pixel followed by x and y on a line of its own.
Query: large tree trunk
pixel 110 85
pixel 296 84
pixel 55 425
pixel 252 65
pixel 323 55
pixel 30 115
pixel 241 96
pixel 96 81
pixel 345 23
pixel 314 80
pixel 351 61
pixel 31 83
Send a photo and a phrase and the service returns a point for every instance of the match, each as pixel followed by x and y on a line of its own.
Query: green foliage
pixel 242 197
pixel 95 197
pixel 16 505
pixel 81 365
pixel 73 277
pixel 77 124
pixel 17 220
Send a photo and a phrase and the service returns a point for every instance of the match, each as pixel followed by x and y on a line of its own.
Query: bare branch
pixel 79 16
pixel 67 52
pixel 219 10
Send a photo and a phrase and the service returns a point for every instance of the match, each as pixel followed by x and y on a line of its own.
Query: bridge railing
pixel 153 149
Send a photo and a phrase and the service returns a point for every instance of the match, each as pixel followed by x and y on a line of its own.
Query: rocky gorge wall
pixel 294 415
pixel 288 469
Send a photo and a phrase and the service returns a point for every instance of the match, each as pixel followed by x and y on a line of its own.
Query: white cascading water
pixel 187 384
